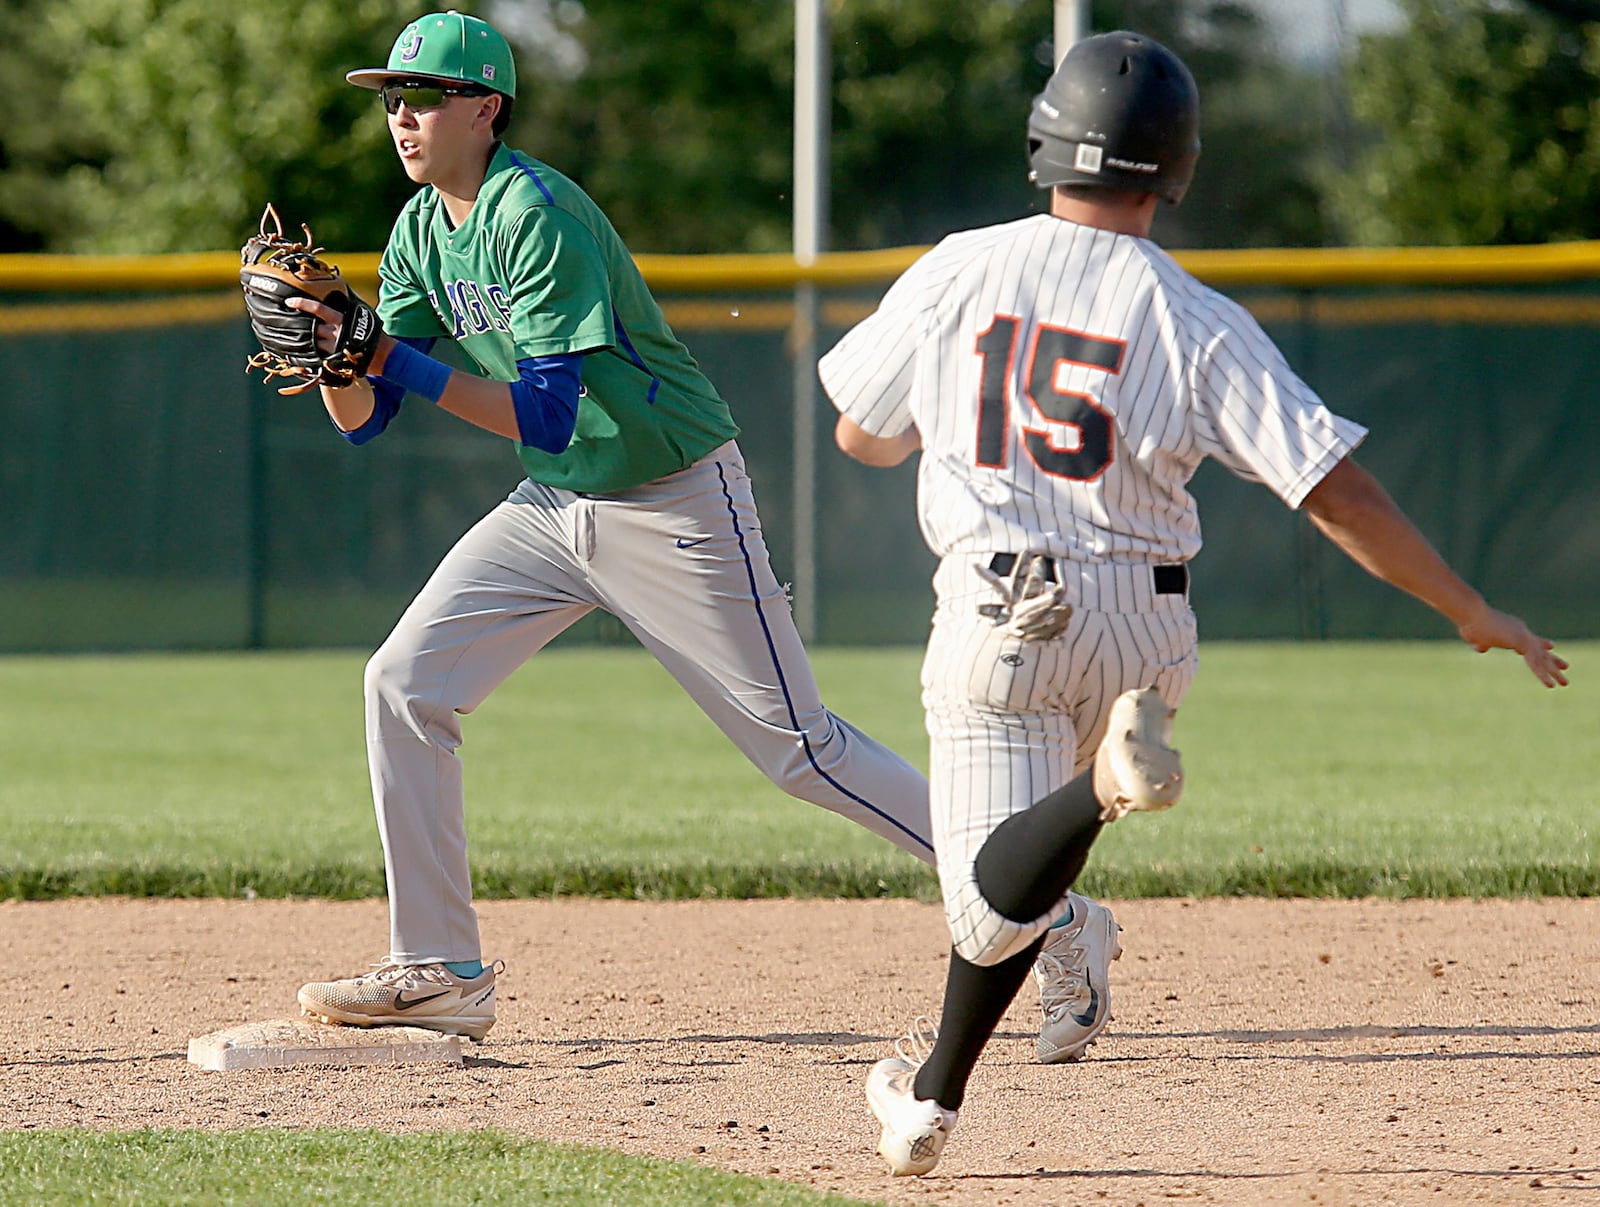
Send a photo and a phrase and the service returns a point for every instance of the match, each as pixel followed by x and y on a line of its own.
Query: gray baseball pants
pixel 682 563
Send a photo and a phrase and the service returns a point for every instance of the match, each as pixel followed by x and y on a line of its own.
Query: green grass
pixel 262 1168
pixel 1315 769
pixel 1393 769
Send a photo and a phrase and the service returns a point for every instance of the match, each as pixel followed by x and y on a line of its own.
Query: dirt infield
pixel 1263 1051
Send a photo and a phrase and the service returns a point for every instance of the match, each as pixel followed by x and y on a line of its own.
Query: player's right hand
pixel 1496 630
pixel 329 320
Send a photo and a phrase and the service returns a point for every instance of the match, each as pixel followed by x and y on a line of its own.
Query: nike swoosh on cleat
pixel 1087 1017
pixel 401 1003
pixel 684 543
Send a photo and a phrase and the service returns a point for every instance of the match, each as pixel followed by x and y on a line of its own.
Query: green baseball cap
pixel 451 47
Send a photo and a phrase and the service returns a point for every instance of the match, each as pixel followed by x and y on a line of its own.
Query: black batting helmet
pixel 1120 112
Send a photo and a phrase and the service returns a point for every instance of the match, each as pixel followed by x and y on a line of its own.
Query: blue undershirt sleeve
pixel 545 398
pixel 386 399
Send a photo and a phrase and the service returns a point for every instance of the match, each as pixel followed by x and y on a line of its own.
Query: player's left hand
pixel 1491 629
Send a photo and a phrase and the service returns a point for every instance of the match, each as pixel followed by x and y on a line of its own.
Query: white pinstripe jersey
pixel 1067 382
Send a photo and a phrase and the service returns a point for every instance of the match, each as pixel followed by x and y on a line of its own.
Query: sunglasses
pixel 421 96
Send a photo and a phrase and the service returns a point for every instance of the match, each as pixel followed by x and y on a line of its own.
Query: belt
pixel 1170 579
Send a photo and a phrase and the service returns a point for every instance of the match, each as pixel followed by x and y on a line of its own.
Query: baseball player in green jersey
pixel 636 501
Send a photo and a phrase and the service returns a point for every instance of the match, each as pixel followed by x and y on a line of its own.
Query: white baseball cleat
pixel 1136 769
pixel 407 995
pixel 1074 975
pixel 914 1129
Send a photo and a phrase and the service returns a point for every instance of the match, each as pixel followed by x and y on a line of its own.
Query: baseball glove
pixel 274 269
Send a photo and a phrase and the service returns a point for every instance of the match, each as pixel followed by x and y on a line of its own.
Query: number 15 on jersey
pixel 1064 432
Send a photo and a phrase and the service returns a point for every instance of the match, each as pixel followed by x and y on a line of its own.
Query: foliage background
pixel 1479 127
pixel 164 125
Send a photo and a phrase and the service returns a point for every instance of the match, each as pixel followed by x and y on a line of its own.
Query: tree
pixel 166 125
pixel 1263 123
pixel 680 120
pixel 22 78
pixel 930 112
pixel 679 117
pixel 675 118
pixel 1484 127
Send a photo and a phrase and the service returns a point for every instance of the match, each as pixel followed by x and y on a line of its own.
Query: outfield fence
pixel 155 497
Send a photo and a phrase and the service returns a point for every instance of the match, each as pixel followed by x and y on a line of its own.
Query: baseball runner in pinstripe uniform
pixel 1063 379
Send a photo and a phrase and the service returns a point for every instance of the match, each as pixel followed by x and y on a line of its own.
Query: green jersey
pixel 538 270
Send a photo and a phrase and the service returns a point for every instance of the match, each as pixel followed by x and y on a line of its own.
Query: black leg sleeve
pixel 975 1000
pixel 1032 858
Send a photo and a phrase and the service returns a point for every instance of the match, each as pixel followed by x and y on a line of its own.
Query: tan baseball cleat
pixel 1136 769
pixel 411 995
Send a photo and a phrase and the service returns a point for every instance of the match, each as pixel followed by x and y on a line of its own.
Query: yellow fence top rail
pixel 1292 268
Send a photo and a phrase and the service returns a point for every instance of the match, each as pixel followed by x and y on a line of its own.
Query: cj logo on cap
pixel 409 52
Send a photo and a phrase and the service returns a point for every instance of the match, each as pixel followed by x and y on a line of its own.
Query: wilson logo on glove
pixel 273 270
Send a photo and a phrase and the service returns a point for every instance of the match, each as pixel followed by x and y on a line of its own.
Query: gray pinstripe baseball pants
pixel 1011 720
